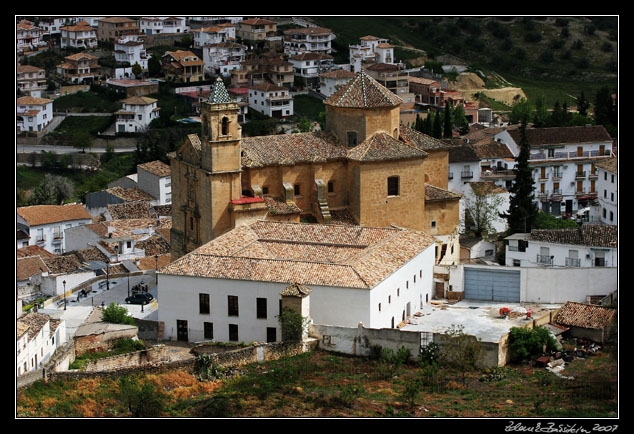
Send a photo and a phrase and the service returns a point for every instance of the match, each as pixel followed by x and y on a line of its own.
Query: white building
pixel 155 179
pixel 212 35
pixel 80 35
pixel 330 82
pixel 564 161
pixel 46 223
pixel 229 289
pixel 223 57
pixel 464 167
pixel 586 246
pixel 31 80
pixel 607 188
pixel 38 336
pixel 309 66
pixel 33 114
pixel 162 25
pixel 371 49
pixel 136 114
pixel 271 100
pixel 28 37
pixel 52 25
pixel 130 49
pixel 308 40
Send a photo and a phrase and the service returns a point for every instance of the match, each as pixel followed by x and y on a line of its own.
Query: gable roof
pixel 562 135
pixel 433 193
pixel 585 315
pixel 383 147
pixel 423 141
pixel 30 266
pixel 45 214
pixel 307 254
pixel 462 154
pixel 609 164
pixel 156 167
pixel 592 235
pixel 363 91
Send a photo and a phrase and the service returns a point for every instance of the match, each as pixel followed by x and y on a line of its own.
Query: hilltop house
pixel 223 57
pixel 607 188
pixel 564 162
pixel 230 289
pixel 33 114
pixel 183 66
pixel 31 80
pixel 332 81
pixel 308 40
pixel 45 224
pixel 136 114
pixel 129 49
pixel 80 35
pixel 111 29
pixel 38 336
pixel 28 37
pixel 80 68
pixel 162 25
pixel 370 50
pixel 590 245
pixel 256 29
pixel 271 100
pixel 310 65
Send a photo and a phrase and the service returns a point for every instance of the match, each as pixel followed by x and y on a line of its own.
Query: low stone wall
pixel 157 354
pixel 102 342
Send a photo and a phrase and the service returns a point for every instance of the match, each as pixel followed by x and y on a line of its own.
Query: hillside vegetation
pixel 558 57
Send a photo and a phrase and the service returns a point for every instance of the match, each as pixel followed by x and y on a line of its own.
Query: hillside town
pixel 209 174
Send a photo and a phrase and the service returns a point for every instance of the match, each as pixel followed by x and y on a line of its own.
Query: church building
pixel 364 169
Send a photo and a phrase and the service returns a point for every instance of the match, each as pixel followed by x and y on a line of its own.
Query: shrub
pixel 429 354
pixel 206 369
pixel 142 400
pixel 116 314
pixel 524 342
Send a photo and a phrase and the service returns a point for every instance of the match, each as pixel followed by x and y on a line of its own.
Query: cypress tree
pixel 427 124
pixel 522 212
pixel 448 129
pixel 437 129
pixel 582 105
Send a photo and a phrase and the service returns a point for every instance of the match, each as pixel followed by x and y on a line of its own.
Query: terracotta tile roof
pixel 163 210
pixel 98 228
pixel 28 68
pixel 257 21
pixel 296 290
pixel 30 266
pixel 586 235
pixel 90 254
pixel 342 217
pixel 21 329
pixel 338 73
pixel 562 135
pixel 291 149
pixel 383 66
pixel 309 31
pixel 46 214
pixel 585 315
pixel 34 321
pixel 155 245
pixel 157 168
pixel 130 210
pixel 281 207
pixel 63 264
pixel 420 140
pixel 117 20
pixel 433 193
pixel 383 147
pixel 139 100
pixel 149 263
pixel 131 227
pixel 308 254
pixel 462 154
pixel 492 150
pixel 610 164
pixel 34 250
pixel 311 56
pixel 129 194
pixel 268 87
pixel 29 100
pixel 363 92
pixel 78 56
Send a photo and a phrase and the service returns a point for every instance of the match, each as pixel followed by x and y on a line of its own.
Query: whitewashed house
pixel 46 223
pixel 33 114
pixel 212 35
pixel 136 114
pixel 223 57
pixel 464 167
pixel 310 65
pixel 371 49
pixel 564 162
pixel 80 35
pixel 28 37
pixel 31 80
pixel 607 188
pixel 230 288
pixel 130 49
pixel 53 25
pixel 308 40
pixel 271 100
pixel 38 336
pixel 332 81
pixel 155 179
pixel 590 245
pixel 162 25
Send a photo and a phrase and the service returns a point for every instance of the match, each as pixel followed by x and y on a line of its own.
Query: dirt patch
pixel 469 83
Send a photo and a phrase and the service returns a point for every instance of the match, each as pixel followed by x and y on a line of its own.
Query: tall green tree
pixel 583 105
pixel 154 66
pixel 605 110
pixel 522 209
pixel 448 124
pixel 540 114
pixel 437 128
pixel 460 119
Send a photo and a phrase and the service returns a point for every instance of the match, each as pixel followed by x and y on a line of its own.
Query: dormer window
pixel 352 138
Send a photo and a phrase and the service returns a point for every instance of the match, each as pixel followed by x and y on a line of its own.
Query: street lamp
pixel 156 267
pixel 64 282
pixel 107 274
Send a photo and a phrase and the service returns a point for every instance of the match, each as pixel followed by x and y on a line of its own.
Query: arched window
pixel 395 134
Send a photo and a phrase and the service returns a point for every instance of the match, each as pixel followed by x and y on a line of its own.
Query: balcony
pixel 556 194
pixel 544 260
pixel 573 262
pixel 580 191
pixel 568 155
pixel 556 176
pixel 543 194
pixel 543 177
pixel 580 175
pixel 466 174
pixel 593 175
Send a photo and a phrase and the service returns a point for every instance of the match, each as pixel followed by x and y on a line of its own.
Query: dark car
pixel 140 298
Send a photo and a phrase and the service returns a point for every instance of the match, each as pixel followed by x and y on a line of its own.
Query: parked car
pixel 140 298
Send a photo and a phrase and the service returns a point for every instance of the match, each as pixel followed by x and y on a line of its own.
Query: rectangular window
pixel 233 305
pixel 233 332
pixel 261 307
pixel 297 190
pixel 203 302
pixel 392 186
pixel 208 330
pixel 331 187
pixel 271 334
